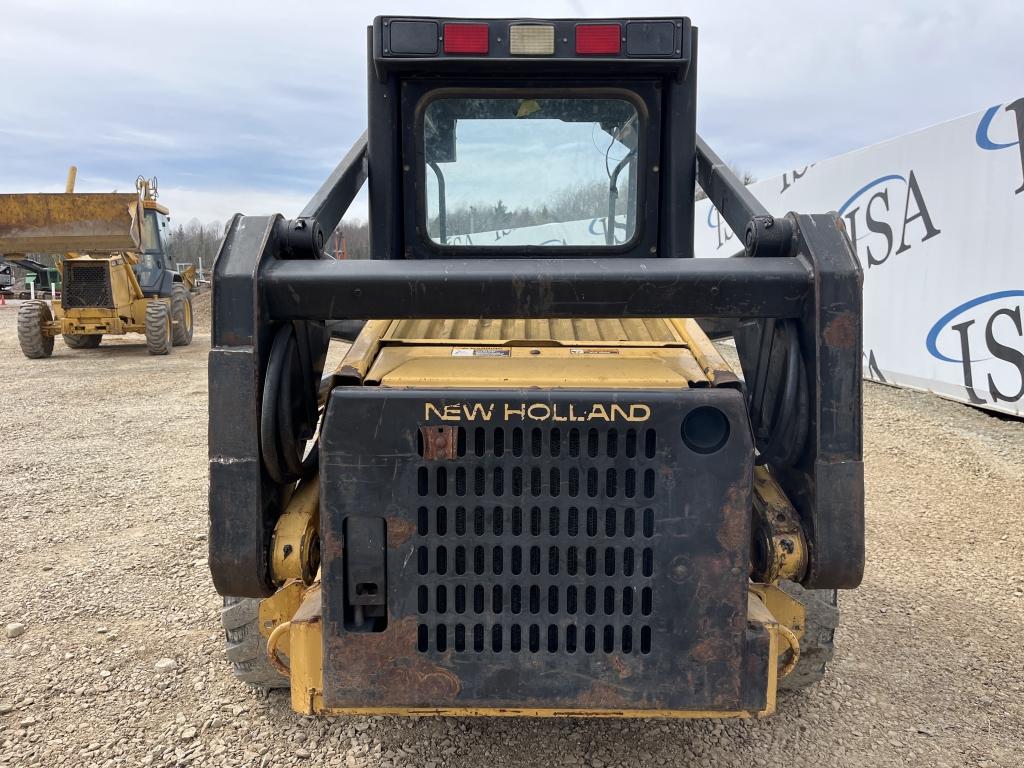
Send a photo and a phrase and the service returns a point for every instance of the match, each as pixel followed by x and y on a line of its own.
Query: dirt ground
pixel 103 513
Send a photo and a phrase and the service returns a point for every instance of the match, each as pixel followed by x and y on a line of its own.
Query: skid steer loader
pixel 533 486
pixel 116 276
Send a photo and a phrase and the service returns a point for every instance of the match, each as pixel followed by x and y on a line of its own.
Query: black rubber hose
pixel 282 449
pixel 787 425
pixel 268 408
pixel 291 457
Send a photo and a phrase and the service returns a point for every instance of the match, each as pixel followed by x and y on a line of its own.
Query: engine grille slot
pixel 563 562
pixel 86 285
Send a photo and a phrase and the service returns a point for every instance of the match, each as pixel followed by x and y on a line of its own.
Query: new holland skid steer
pixel 533 486
pixel 117 278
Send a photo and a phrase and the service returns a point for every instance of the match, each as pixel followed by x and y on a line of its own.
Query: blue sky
pixel 246 106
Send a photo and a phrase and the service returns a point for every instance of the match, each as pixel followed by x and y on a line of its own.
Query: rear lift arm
pixel 800 296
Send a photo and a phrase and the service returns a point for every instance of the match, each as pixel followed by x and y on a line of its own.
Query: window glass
pixel 150 232
pixel 520 172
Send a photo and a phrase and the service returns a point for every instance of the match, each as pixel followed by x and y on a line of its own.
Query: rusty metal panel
pixel 564 549
pixel 64 222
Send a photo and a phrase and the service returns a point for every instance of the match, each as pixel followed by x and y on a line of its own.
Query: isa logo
pixel 888 216
pixel 985 337
pixel 723 234
pixel 1002 127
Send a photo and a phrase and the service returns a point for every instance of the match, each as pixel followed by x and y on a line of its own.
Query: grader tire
pixel 82 340
pixel 181 314
pixel 32 316
pixel 817 646
pixel 245 647
pixel 158 328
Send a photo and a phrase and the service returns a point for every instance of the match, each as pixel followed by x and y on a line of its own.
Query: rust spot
pixel 385 667
pixel 620 667
pixel 399 531
pixel 706 650
pixel 733 533
pixel 439 443
pixel 604 696
pixel 431 684
pixel 841 332
pixel 725 378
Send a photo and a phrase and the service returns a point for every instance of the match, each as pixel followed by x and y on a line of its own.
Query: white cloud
pixel 248 105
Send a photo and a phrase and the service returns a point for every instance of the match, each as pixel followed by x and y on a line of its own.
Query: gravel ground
pixel 103 507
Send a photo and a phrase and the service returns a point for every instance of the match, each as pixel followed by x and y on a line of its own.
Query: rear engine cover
pixel 87 285
pixel 519 549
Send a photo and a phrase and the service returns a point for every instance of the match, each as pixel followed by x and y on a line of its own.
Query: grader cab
pixel 116 276
pixel 534 485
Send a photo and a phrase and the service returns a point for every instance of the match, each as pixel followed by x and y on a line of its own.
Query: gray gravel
pixel 103 513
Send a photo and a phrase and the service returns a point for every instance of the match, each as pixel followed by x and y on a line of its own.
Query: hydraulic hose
pixel 282 448
pixel 780 439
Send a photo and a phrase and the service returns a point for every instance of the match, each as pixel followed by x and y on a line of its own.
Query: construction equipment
pixel 116 277
pixel 534 486
pixel 40 278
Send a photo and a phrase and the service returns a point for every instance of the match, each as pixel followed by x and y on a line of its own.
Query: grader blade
pixel 106 222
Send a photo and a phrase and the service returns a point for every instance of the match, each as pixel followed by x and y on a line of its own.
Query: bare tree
pixel 194 243
pixel 350 240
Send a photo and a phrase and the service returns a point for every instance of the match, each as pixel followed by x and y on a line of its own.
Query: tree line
pixel 194 243
pixel 351 239
pixel 574 203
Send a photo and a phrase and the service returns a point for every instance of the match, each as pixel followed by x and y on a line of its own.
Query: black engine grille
pixel 523 557
pixel 533 562
pixel 86 285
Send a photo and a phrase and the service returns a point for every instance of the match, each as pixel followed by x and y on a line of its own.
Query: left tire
pixel 245 647
pixel 158 328
pixel 181 314
pixel 32 317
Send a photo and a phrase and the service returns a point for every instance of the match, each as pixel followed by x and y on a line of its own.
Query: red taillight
pixel 598 38
pixel 466 38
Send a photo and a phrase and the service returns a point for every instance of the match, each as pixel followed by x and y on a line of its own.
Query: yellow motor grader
pixel 116 274
pixel 534 486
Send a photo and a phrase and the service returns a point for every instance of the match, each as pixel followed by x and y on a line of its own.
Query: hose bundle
pixel 778 400
pixel 286 425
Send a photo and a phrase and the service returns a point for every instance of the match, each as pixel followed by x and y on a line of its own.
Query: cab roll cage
pixel 794 293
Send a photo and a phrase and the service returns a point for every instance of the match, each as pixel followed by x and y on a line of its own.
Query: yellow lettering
pixel 597 412
pixel 479 411
pixel 639 412
pixel 539 412
pixel 431 411
pixel 510 411
pixel 452 412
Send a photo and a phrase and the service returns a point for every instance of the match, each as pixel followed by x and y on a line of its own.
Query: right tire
pixel 245 647
pixel 817 646
pixel 158 328
pixel 82 340
pixel 181 314
pixel 32 316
